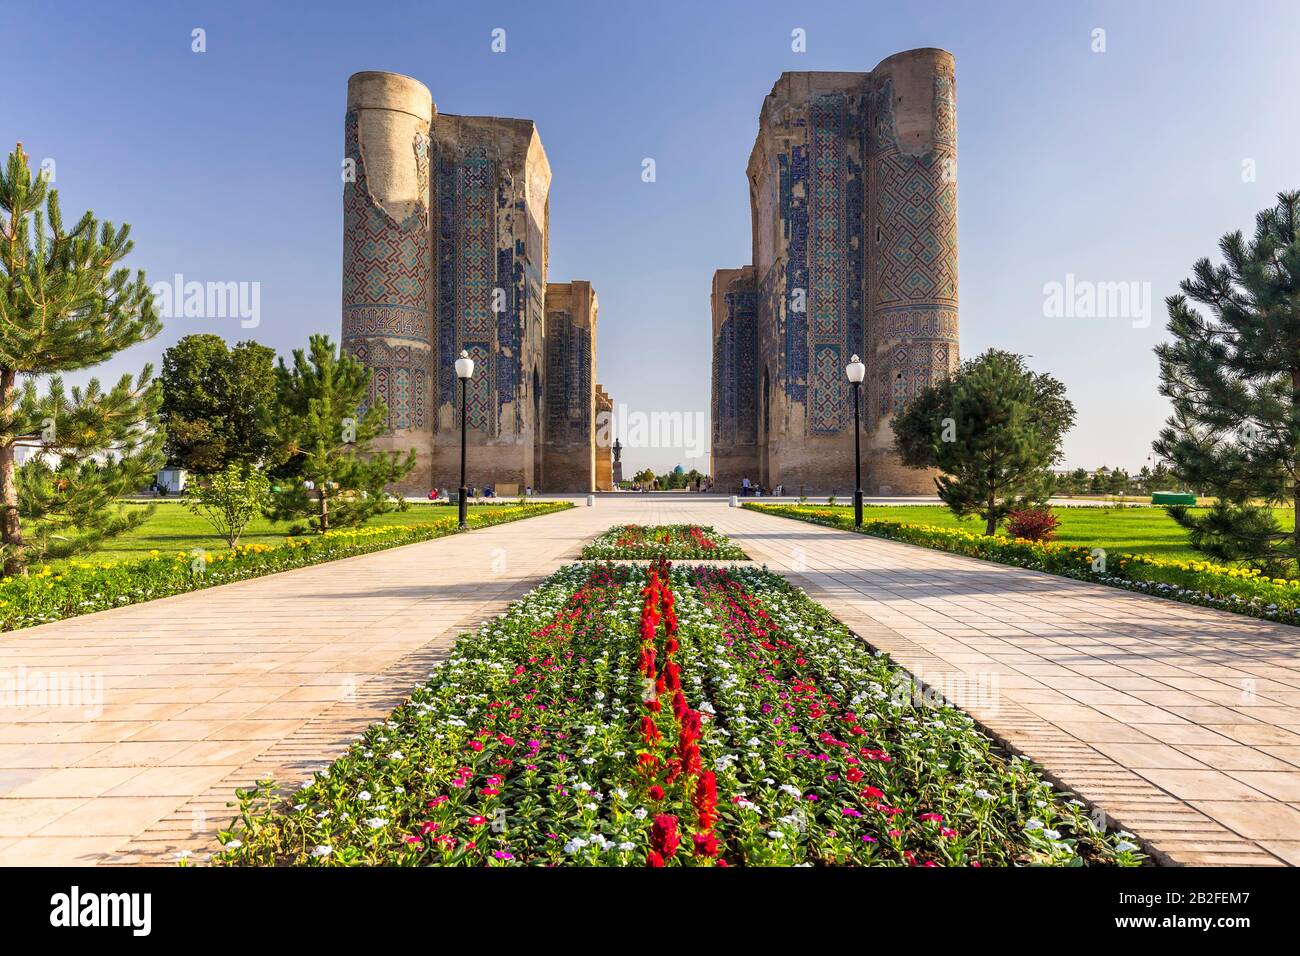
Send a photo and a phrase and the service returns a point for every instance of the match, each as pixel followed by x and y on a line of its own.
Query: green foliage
pixel 993 430
pixel 65 304
pixel 79 587
pixel 331 473
pixel 217 403
pixel 230 499
pixel 92 451
pixel 1232 374
pixel 1242 591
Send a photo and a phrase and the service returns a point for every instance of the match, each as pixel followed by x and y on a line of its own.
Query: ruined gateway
pixel 445 233
pixel 853 198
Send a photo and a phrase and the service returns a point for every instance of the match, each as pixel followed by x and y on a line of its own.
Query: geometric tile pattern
pixel 399 378
pixel 914 280
pixel 386 275
pixel 568 381
pixel 735 379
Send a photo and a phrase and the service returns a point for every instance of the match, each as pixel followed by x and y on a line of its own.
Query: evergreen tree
pixel 217 402
pixel 66 305
pixel 330 473
pixel 1232 374
pixel 993 430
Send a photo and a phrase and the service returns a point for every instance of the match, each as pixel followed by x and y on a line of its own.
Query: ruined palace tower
pixel 445 246
pixel 853 199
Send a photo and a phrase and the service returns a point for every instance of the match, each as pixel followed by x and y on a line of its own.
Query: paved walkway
pixel 1181 723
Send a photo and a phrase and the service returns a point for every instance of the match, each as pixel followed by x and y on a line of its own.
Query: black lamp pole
pixel 856 371
pixel 464 369
pixel 464 506
pixel 857 460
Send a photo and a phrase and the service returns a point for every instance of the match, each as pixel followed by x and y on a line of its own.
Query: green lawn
pixel 1139 530
pixel 174 528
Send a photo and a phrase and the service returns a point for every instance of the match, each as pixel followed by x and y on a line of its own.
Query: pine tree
pixel 326 440
pixel 66 305
pixel 993 430
pixel 1233 378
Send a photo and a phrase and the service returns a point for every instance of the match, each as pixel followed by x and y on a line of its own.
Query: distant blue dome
pixel 679 470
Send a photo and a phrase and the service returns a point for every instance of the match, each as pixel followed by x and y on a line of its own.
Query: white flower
pixel 376 822
pixel 321 851
pixel 620 793
pixel 1033 824
pixel 1124 846
pixel 364 796
pixel 792 790
pixel 625 846
pixel 1052 834
pixel 395 755
pixel 574 845
pixel 640 813
pixel 234 844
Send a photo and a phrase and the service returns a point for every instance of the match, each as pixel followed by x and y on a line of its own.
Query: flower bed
pixel 81 587
pixel 669 541
pixel 623 715
pixel 1242 590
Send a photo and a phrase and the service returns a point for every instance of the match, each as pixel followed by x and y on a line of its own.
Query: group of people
pixel 487 492
pixel 752 489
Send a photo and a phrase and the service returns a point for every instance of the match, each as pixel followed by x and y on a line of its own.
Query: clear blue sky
pixel 1116 166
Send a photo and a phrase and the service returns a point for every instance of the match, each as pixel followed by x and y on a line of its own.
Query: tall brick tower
pixel 912 288
pixel 387 288
pixel 853 201
pixel 445 247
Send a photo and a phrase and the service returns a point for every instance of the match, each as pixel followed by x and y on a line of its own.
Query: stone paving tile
pixel 1181 723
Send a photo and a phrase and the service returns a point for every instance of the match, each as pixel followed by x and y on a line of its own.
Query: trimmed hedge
pixel 80 587
pixel 1241 590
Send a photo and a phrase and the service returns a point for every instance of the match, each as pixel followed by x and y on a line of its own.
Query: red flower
pixel 656 792
pixel 653 859
pixel 663 835
pixel 706 844
pixel 705 800
pixel 650 730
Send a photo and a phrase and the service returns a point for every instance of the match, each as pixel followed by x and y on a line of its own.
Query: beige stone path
pixel 1182 723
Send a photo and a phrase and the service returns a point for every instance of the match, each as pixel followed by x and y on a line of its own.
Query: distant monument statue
pixel 618 462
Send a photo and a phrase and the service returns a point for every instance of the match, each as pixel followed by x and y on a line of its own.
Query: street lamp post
pixel 856 371
pixel 464 371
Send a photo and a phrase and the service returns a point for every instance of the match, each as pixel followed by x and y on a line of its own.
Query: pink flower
pixel 476 821
pixel 931 817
